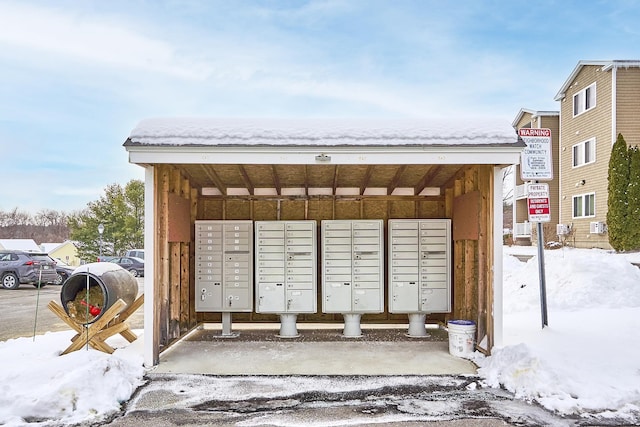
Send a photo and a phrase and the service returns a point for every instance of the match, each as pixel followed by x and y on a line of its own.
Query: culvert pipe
pixel 106 283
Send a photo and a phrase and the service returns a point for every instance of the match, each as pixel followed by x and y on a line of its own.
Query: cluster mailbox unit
pixel 286 270
pixel 353 270
pixel 224 268
pixel 419 269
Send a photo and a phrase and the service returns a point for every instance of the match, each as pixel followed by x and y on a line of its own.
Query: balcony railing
pixel 520 192
pixel 522 229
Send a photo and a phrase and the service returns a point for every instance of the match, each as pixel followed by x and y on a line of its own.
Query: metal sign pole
pixel 543 284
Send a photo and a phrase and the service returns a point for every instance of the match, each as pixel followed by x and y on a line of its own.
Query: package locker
pixel 224 266
pixel 352 266
pixel 285 266
pixel 419 271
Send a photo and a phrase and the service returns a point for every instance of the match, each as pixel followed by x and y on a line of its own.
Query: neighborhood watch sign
pixel 535 161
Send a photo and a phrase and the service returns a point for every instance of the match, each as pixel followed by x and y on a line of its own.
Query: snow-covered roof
pixel 325 132
pixel 20 245
pixel 533 113
pixel 48 247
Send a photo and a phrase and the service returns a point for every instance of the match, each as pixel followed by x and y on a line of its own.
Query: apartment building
pixel 598 100
pixel 524 233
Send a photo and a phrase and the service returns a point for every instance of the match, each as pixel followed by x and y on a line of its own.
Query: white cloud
pixel 89 39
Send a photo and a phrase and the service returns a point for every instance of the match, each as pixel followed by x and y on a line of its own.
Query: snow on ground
pixel 585 362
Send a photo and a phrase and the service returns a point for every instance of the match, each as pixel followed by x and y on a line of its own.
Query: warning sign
pixel 538 202
pixel 535 161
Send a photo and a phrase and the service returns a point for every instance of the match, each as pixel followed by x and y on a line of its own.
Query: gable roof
pixel 533 113
pixel 320 132
pixel 606 65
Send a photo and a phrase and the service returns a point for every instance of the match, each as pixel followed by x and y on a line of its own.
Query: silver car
pixel 21 267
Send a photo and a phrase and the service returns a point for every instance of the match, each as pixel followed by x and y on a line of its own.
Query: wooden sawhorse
pixel 110 323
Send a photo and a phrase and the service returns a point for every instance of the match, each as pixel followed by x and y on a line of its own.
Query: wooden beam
pixel 426 179
pixel 336 171
pixel 306 180
pixel 213 176
pixel 458 175
pixel 246 179
pixel 396 178
pixel 276 179
pixel 367 178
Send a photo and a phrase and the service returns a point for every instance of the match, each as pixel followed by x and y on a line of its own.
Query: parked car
pixel 104 258
pixel 136 253
pixel 63 271
pixel 21 267
pixel 133 265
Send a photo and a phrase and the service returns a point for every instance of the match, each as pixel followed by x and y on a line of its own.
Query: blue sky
pixel 77 76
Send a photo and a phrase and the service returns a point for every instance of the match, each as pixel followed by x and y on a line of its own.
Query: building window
pixel 584 205
pixel 584 100
pixel 584 152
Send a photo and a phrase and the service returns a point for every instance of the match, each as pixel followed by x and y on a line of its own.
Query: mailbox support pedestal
pixel 226 325
pixel 288 327
pixel 352 325
pixel 417 326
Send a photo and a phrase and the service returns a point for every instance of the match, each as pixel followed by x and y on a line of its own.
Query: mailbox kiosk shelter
pixel 312 169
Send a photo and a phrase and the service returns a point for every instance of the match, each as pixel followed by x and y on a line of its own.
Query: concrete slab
pixel 320 349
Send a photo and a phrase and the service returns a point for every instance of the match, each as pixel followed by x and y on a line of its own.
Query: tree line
pixel 120 210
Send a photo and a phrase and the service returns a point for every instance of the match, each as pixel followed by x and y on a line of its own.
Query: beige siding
pixel 593 123
pixel 628 112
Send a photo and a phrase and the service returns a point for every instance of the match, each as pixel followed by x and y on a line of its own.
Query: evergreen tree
pixel 617 201
pixel 121 212
pixel 632 236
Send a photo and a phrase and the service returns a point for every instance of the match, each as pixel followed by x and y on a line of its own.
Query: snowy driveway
pixel 193 400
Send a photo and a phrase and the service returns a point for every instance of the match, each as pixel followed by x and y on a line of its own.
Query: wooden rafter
pixel 276 179
pixel 396 178
pixel 426 179
pixel 336 171
pixel 213 176
pixel 246 179
pixel 459 173
pixel 367 178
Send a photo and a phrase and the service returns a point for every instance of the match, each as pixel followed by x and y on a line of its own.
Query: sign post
pixel 535 165
pixel 539 212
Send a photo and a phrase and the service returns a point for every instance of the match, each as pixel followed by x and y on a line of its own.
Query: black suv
pixel 17 267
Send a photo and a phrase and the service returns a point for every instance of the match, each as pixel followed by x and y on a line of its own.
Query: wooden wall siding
pixel 472 275
pixel 174 292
